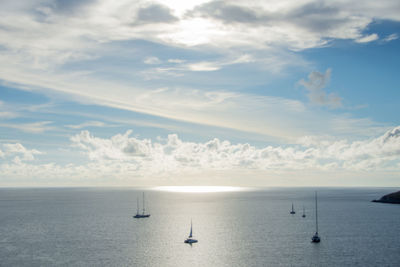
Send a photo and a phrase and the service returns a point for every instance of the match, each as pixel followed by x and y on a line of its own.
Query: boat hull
pixel 315 239
pixel 137 216
pixel 190 241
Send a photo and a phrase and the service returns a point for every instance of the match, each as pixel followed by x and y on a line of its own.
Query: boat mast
pixel 316 212
pixel 137 205
pixel 143 204
pixel 191 226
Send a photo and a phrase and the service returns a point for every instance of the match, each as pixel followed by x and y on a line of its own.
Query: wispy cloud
pixel 8 114
pixel 367 38
pixel 86 124
pixel 315 86
pixel 38 40
pixel 34 127
pixel 391 37
pixel 152 60
pixel 43 35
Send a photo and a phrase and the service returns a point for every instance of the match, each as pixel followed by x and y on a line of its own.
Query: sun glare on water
pixel 199 189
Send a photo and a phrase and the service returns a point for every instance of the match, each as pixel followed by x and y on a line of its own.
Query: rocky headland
pixel 393 198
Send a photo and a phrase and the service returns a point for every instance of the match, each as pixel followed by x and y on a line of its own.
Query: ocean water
pixel 94 227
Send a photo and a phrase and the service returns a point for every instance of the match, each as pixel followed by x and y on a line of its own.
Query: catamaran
pixel 292 211
pixel 143 215
pixel 316 238
pixel 190 239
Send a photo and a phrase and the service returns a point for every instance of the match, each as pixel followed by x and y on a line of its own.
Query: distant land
pixel 393 198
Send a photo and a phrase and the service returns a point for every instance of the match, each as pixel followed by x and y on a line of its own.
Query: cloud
pixel 316 83
pixel 7 114
pixel 68 31
pixel 176 61
pixel 19 150
pixel 367 38
pixel 174 154
pixel 122 159
pixel 152 60
pixel 34 127
pixel 216 65
pixel 119 147
pixel 55 54
pixel 204 66
pixel 155 13
pixel 227 13
pixel 87 124
pixel 391 37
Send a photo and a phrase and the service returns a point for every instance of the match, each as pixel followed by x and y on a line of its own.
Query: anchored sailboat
pixel 292 211
pixel 143 215
pixel 316 238
pixel 190 239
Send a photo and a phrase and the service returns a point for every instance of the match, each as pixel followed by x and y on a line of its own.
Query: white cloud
pixel 176 60
pixel 125 158
pixel 34 127
pixel 152 60
pixel 87 124
pixel 174 155
pixel 19 150
pixel 204 66
pixel 368 38
pixel 316 83
pixel 7 114
pixel 44 34
pixel 391 37
pixel 37 39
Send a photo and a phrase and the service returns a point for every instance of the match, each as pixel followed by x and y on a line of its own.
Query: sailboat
pixel 292 211
pixel 190 239
pixel 304 213
pixel 143 215
pixel 316 238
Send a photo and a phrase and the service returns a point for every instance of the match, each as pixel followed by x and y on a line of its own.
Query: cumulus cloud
pixel 315 86
pixel 17 150
pixel 125 158
pixel 173 154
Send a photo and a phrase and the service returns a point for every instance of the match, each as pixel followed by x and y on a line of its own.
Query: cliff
pixel 393 198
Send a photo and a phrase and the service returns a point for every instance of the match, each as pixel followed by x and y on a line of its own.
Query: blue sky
pixel 199 93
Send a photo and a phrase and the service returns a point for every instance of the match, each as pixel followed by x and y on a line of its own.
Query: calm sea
pixel 94 227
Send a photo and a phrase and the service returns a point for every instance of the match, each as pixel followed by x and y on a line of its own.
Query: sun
pixel 198 189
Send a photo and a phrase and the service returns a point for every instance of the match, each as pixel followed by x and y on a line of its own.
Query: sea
pixel 251 227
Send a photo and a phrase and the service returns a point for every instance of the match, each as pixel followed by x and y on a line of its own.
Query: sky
pixel 233 93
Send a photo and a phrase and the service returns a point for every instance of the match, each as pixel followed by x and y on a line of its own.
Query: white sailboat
pixel 143 215
pixel 316 238
pixel 190 239
pixel 292 211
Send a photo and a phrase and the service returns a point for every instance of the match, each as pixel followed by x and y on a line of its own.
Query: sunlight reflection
pixel 199 189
